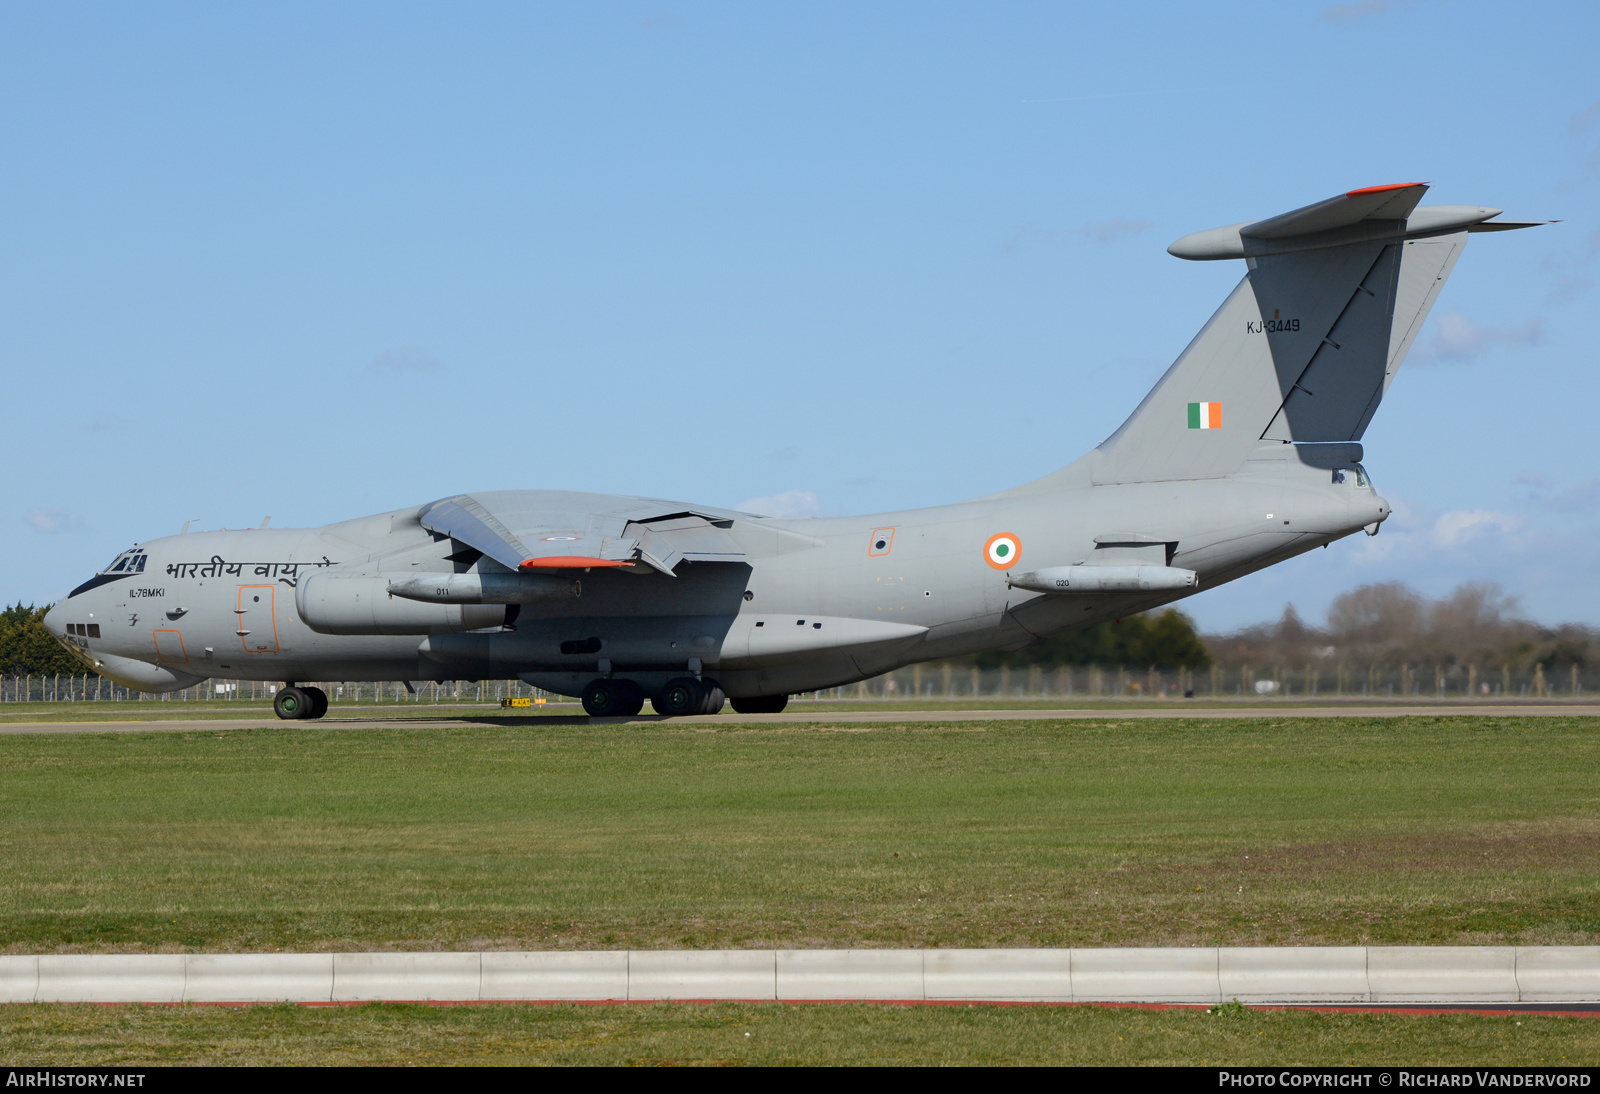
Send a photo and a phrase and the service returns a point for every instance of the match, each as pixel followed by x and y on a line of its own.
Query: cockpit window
pixel 1361 476
pixel 128 562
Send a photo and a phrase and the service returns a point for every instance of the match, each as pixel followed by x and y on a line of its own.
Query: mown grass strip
pixel 735 1034
pixel 1269 831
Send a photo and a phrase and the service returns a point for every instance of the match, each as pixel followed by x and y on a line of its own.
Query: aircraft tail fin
pixel 1306 345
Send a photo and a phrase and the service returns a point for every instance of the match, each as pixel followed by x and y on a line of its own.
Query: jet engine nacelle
pixel 1105 579
pixel 361 604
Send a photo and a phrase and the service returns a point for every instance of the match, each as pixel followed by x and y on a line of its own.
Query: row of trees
pixel 26 647
pixel 1164 640
pixel 1389 623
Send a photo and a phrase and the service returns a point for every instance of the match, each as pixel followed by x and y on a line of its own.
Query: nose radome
pixel 53 622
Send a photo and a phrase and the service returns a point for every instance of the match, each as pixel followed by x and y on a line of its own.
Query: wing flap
pixel 568 540
pixel 463 519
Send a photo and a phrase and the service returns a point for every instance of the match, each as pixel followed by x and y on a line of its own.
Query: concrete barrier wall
pixel 584 975
pixel 19 979
pixel 1310 974
pixel 702 974
pixel 1421 974
pixel 1293 974
pixel 258 978
pixel 111 977
pixel 1145 976
pixel 1558 974
pixel 418 976
pixel 849 974
pixel 998 975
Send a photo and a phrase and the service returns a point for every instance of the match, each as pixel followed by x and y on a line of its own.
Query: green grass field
pixel 732 1033
pixel 1276 831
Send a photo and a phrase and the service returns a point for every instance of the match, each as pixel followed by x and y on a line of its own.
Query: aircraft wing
pixel 549 530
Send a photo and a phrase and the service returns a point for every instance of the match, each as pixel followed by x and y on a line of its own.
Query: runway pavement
pixel 799 714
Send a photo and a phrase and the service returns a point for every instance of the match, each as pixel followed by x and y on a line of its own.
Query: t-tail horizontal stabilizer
pixel 1307 344
pixel 1376 212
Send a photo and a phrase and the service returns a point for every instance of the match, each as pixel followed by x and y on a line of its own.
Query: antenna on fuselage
pixel 186 527
pixel 264 522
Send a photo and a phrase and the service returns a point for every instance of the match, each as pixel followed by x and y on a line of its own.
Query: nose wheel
pixel 295 703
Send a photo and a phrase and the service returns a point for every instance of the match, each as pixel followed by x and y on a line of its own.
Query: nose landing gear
pixel 294 703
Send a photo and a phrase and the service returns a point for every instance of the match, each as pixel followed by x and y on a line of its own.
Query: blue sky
pixel 316 261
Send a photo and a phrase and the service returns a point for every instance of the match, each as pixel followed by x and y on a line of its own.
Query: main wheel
pixel 291 703
pixel 714 698
pixel 761 704
pixel 319 702
pixel 680 696
pixel 600 697
pixel 630 699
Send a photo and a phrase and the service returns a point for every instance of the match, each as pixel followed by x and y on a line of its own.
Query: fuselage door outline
pixel 258 619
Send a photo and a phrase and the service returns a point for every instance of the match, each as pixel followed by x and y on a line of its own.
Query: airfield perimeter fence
pixel 939 681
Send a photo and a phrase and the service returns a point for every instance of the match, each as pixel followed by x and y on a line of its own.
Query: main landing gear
pixel 605 698
pixel 686 695
pixel 294 703
pixel 612 698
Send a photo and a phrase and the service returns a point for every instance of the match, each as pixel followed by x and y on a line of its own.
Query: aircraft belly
pixel 758 640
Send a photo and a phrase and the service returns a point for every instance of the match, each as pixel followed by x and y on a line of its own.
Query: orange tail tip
pixel 1382 189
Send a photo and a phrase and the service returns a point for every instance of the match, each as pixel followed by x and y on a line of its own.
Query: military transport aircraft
pixel 1245 453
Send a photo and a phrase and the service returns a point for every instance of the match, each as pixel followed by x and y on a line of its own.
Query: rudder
pixel 1306 345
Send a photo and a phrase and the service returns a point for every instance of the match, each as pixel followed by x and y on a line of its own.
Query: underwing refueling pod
pixel 1247 452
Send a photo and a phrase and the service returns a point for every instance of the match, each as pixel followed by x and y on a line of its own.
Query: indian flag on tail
pixel 1205 415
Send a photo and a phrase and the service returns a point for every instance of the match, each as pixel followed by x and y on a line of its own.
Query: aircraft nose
pixel 54 623
pixel 1382 509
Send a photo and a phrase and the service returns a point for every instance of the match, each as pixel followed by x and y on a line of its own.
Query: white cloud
pixel 405 360
pixel 1462 526
pixel 790 503
pixel 1457 338
pixel 51 521
pixel 1109 231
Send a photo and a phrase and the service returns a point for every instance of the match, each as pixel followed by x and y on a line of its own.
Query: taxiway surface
pixel 820 717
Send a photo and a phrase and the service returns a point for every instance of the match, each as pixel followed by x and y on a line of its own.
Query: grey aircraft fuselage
pixel 786 619
pixel 1245 453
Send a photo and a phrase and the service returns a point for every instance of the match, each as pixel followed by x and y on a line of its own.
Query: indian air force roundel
pixel 1002 551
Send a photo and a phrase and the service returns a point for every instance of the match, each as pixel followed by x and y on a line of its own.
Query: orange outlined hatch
pixel 169 647
pixel 881 543
pixel 258 621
